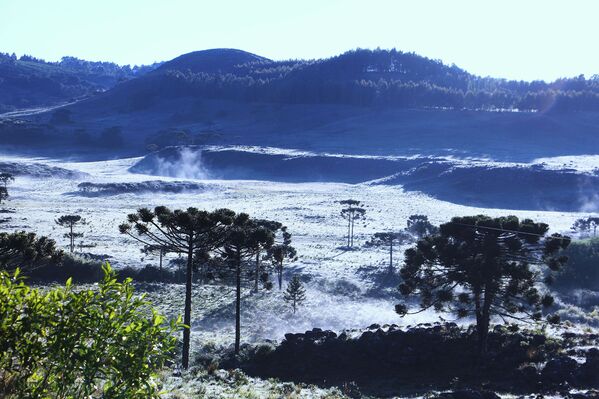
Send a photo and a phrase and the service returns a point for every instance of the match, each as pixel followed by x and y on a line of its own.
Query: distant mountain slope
pixel 212 61
pixel 361 77
pixel 29 82
pixel 361 102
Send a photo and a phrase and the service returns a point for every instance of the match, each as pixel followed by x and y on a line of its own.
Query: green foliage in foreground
pixel 61 343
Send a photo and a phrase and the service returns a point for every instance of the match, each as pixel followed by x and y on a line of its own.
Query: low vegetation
pixel 62 343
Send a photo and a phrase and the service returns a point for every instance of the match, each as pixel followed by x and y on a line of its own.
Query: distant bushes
pixel 84 269
pixel 582 268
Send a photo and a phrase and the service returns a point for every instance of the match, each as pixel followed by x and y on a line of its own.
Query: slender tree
pixel 155 249
pixel 481 266
pixel 280 252
pixel 6 178
pixel 388 239
pixel 190 232
pixel 242 238
pixel 352 210
pixel 295 294
pixel 70 222
pixel 27 251
pixel 3 194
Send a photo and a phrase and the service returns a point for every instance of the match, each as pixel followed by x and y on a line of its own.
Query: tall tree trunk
pixel 72 239
pixel 352 231
pixel 238 303
pixel 479 320
pixel 485 321
pixel 280 275
pixel 391 258
pixel 348 229
pixel 160 267
pixel 257 271
pixel 187 316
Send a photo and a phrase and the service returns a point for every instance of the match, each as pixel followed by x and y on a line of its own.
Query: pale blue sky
pixel 523 39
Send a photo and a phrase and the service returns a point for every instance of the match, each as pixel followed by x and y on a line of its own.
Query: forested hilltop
pixel 365 77
pixel 384 102
pixel 28 81
pixel 358 77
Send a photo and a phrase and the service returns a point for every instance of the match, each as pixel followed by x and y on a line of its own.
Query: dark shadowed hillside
pixel 384 102
pixel 31 82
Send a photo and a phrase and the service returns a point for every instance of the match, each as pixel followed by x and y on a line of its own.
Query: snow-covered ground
pixel 342 284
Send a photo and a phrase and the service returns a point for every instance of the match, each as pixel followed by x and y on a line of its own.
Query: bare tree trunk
pixel 352 231
pixel 280 275
pixel 348 229
pixel 238 304
pixel 187 316
pixel 257 271
pixel 160 267
pixel 391 258
pixel 485 321
pixel 72 238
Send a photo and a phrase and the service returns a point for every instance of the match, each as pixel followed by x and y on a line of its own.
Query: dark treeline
pixel 83 66
pixel 377 77
pixel 29 81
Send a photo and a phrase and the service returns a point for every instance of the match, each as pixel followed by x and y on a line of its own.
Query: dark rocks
pixel 528 375
pixel 560 369
pixel 432 356
pixel 589 371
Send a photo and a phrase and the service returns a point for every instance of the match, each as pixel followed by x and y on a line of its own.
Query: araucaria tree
pixel 3 194
pixel 584 226
pixel 481 266
pixel 280 252
pixel 419 226
pixel 70 222
pixel 190 232
pixel 241 241
pixel 274 227
pixel 352 211
pixel 6 178
pixel 27 251
pixel 388 239
pixel 295 294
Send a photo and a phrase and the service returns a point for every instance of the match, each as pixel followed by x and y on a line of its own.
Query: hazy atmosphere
pixel 272 199
pixel 509 39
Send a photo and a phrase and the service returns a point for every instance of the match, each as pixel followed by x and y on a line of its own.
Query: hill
pixel 30 82
pixel 384 102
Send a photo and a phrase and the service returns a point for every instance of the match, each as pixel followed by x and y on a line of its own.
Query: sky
pixel 523 40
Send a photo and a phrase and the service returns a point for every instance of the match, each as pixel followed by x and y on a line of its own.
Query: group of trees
pixel 380 77
pixel 477 265
pixel 200 235
pixel 236 240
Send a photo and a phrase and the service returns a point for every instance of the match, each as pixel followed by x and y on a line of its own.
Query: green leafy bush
pixel 63 343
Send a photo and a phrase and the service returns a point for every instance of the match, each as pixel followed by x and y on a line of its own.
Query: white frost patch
pixel 580 163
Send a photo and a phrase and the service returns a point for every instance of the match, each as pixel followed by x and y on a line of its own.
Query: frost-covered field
pixel 345 289
pixel 343 286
